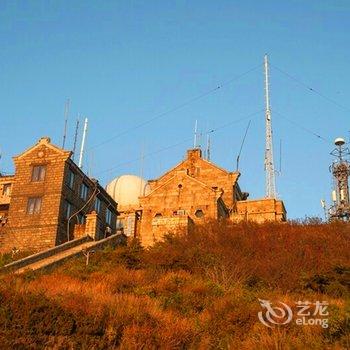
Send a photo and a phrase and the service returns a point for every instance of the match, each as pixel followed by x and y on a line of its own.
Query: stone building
pixel 48 199
pixel 5 192
pixel 190 193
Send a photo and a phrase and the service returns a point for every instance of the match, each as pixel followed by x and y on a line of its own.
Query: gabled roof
pixel 47 142
pixel 202 160
pixel 174 177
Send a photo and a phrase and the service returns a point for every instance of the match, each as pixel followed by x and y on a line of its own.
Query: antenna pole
pixel 66 112
pixel 75 137
pixel 83 144
pixel 240 150
pixel 195 134
pixel 208 147
pixel 269 163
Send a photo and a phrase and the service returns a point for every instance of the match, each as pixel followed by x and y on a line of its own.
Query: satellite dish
pixel 339 141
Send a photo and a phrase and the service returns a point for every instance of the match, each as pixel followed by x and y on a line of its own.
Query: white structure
pixel 80 164
pixel 127 189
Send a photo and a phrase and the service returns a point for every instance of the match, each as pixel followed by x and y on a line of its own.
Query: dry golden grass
pixel 196 291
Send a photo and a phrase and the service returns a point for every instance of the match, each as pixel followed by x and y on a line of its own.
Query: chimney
pixel 194 153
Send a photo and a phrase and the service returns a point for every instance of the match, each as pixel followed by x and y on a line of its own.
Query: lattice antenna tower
pixel 270 183
pixel 340 170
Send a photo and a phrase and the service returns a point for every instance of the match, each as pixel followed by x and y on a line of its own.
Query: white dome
pixel 127 189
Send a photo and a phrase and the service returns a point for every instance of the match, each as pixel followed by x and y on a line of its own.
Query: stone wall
pixel 260 210
pixel 170 225
pixel 36 231
pixel 48 227
pixel 208 173
pixel 195 188
pixel 5 197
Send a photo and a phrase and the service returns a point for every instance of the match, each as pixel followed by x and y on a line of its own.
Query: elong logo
pixel 283 314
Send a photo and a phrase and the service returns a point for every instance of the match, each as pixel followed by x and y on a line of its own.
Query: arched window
pixel 158 215
pixel 199 213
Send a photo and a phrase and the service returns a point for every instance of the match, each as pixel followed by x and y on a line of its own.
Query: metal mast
pixel 75 138
pixel 341 171
pixel 195 140
pixel 66 112
pixel 208 146
pixel 80 164
pixel 269 164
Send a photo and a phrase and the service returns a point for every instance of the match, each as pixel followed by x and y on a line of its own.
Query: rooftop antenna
pixel 341 171
pixel 75 137
pixel 195 141
pixel 325 210
pixel 66 112
pixel 240 150
pixel 269 163
pixel 80 164
pixel 208 146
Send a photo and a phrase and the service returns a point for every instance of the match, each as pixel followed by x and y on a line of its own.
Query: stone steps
pixel 55 258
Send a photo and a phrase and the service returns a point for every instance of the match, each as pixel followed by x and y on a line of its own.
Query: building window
pixel 84 190
pixel 70 179
pixel 34 205
pixel 179 212
pixel 38 173
pixel 109 217
pixel 199 213
pixel 81 219
pixel 6 191
pixel 98 205
pixel 69 209
pixel 158 215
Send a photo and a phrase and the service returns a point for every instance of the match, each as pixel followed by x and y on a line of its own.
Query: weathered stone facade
pixel 197 190
pixel 49 196
pixel 49 201
pixel 260 210
pixel 5 194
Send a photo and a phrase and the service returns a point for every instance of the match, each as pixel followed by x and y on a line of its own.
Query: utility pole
pixel 269 163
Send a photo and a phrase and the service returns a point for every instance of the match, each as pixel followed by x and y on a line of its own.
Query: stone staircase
pixel 55 256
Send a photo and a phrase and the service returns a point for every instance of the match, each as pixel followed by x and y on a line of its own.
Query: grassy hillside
pixel 198 291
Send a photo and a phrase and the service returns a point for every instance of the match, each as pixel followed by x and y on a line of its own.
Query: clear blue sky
pixel 124 62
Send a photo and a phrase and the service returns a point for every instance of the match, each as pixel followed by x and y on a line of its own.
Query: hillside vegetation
pixel 194 291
